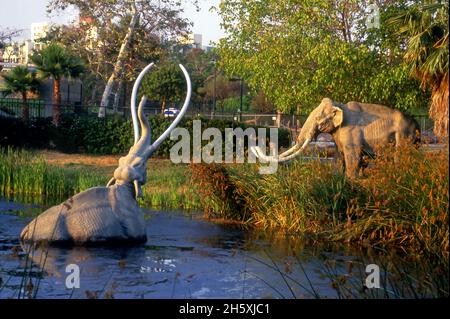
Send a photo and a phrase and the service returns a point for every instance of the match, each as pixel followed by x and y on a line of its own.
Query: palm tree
pixel 20 80
pixel 426 26
pixel 56 62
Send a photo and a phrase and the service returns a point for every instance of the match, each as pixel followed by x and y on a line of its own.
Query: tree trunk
pixel 25 110
pixel 439 108
pixel 120 61
pixel 93 96
pixel 56 102
pixel 163 105
pixel 117 96
pixel 278 120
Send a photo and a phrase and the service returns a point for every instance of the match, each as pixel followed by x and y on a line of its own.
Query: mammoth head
pixel 329 117
pixel 325 118
pixel 133 167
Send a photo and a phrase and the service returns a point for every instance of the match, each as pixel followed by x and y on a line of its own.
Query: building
pixel 39 30
pixel 193 40
pixel 17 53
pixel 198 38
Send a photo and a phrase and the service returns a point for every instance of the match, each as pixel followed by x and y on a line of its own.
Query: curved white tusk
pixel 294 149
pixel 288 158
pixel 136 85
pixel 305 144
pixel 261 155
pixel 255 150
pixel 258 153
pixel 289 151
pixel 175 122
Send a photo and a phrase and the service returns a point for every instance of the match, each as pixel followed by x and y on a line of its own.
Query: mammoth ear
pixel 338 116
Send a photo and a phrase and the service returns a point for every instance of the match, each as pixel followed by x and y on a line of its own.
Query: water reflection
pixel 188 257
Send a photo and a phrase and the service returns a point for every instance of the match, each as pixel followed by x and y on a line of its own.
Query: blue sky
pixel 21 13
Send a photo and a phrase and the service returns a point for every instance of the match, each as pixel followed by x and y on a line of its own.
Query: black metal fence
pixel 12 107
pixel 39 109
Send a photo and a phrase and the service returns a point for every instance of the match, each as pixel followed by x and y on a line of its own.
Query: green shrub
pixel 88 134
pixel 402 201
pixel 37 133
pixel 84 134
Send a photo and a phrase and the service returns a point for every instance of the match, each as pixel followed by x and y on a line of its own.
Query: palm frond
pixel 55 61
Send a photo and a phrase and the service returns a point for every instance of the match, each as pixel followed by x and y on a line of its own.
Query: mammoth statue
pixel 357 129
pixel 112 213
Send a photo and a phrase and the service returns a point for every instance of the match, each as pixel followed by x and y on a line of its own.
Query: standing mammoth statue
pixel 107 214
pixel 357 129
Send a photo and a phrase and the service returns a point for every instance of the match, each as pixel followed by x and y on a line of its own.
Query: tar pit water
pixel 187 256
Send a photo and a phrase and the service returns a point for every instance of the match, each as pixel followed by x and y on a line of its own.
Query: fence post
pixel 423 125
pixel 278 121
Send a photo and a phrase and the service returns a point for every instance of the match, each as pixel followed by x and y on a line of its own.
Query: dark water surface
pixel 184 257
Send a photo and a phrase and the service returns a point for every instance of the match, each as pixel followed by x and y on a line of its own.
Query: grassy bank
pixel 402 201
pixel 26 176
pixel 51 177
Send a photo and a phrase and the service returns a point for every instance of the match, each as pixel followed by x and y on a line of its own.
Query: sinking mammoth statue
pixel 357 129
pixel 112 213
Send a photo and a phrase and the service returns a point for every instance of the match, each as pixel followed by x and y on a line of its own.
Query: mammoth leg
pixel 339 160
pixel 352 159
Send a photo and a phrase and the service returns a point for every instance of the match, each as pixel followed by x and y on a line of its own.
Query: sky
pixel 20 14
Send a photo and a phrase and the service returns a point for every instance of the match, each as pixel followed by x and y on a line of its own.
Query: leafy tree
pixel 129 24
pixel 201 65
pixel 233 104
pixel 7 34
pixel 261 104
pixel 166 84
pixel 222 89
pixel 100 54
pixel 298 52
pixel 20 80
pixel 426 26
pixel 56 62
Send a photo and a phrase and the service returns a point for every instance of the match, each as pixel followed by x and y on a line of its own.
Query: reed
pixel 401 201
pixel 167 187
pixel 26 176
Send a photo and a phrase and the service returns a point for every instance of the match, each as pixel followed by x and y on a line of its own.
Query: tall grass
pixel 168 187
pixel 399 277
pixel 402 200
pixel 217 192
pixel 407 202
pixel 27 177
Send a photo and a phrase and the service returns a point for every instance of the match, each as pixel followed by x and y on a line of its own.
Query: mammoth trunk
pixel 306 135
